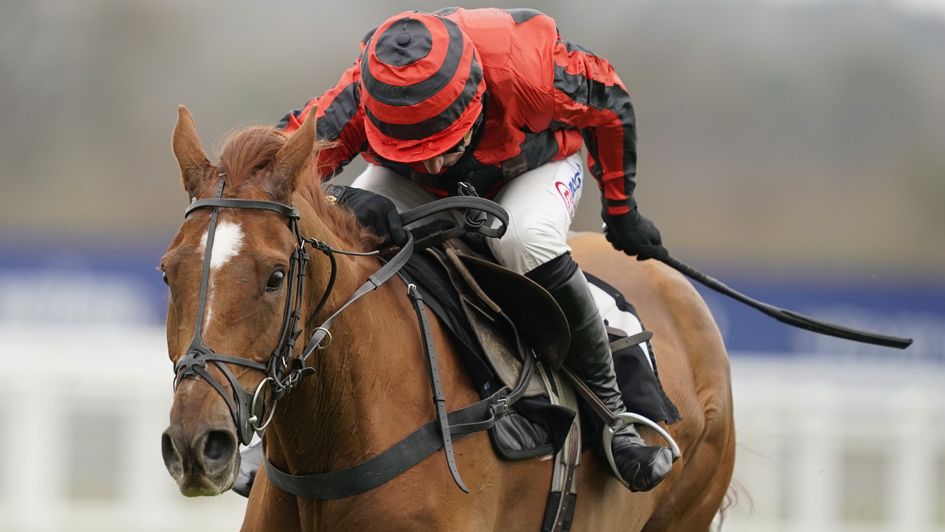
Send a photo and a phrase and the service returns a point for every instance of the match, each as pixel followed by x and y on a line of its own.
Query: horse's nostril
pixel 219 446
pixel 172 458
pixel 167 448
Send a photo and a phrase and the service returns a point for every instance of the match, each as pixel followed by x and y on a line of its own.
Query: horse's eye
pixel 275 281
pixel 164 277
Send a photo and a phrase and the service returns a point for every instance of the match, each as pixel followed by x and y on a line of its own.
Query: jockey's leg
pixel 640 465
pixel 541 205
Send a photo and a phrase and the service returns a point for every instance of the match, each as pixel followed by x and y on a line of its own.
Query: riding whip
pixel 788 316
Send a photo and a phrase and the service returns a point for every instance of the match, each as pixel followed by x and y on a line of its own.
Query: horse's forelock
pixel 247 151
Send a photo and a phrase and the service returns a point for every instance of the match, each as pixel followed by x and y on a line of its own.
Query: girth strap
pixel 404 455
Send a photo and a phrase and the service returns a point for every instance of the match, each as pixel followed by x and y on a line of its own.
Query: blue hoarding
pixel 89 285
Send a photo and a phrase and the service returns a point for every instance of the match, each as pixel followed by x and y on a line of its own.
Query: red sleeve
pixel 589 96
pixel 340 122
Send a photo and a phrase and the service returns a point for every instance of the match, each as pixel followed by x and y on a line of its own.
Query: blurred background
pixel 793 149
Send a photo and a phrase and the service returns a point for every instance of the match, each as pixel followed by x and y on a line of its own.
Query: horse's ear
pixel 297 152
pixel 189 152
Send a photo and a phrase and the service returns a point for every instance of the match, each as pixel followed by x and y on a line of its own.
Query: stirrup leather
pixel 628 418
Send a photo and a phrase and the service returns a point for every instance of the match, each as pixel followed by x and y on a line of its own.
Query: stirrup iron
pixel 628 418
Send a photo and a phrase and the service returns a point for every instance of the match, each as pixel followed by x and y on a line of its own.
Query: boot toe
pixel 641 466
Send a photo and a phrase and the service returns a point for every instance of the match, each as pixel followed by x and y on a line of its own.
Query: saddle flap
pixel 539 319
pixel 491 334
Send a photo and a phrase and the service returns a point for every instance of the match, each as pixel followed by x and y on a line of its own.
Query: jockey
pixel 498 99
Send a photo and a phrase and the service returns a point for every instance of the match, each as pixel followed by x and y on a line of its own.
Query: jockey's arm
pixel 340 123
pixel 590 96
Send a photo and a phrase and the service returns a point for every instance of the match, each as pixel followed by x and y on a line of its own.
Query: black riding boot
pixel 641 466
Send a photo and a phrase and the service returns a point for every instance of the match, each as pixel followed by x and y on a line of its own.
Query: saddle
pixel 499 318
pixel 512 338
pixel 470 294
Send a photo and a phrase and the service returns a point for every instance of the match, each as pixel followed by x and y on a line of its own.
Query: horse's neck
pixel 368 382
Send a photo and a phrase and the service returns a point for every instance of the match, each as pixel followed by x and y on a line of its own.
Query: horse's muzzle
pixel 202 465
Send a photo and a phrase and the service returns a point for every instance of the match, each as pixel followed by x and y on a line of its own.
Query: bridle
pixel 249 409
pixel 282 371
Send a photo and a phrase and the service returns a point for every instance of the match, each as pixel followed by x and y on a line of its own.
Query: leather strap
pixel 243 204
pixel 638 338
pixel 375 280
pixel 564 513
pixel 472 223
pixel 593 402
pixel 461 202
pixel 562 497
pixel 406 251
pixel 439 398
pixel 194 362
pixel 389 464
pixel 433 435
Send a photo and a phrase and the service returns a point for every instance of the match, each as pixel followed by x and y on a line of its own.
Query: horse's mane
pixel 247 158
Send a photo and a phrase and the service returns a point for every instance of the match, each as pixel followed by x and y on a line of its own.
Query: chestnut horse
pixel 370 387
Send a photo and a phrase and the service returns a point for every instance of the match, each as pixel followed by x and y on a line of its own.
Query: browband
pixel 280 208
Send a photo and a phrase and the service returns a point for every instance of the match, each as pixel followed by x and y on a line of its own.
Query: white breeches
pixel 541 205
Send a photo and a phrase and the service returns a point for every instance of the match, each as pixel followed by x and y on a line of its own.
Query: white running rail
pixel 822 446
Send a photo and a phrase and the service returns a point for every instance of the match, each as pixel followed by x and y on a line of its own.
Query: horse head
pixel 232 304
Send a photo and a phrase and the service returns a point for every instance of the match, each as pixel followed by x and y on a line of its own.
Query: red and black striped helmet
pixel 421 86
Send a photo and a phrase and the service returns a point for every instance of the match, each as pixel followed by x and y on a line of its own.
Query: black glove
pixel 373 211
pixel 634 234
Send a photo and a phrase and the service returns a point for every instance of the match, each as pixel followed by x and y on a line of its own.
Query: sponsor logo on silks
pixel 568 191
